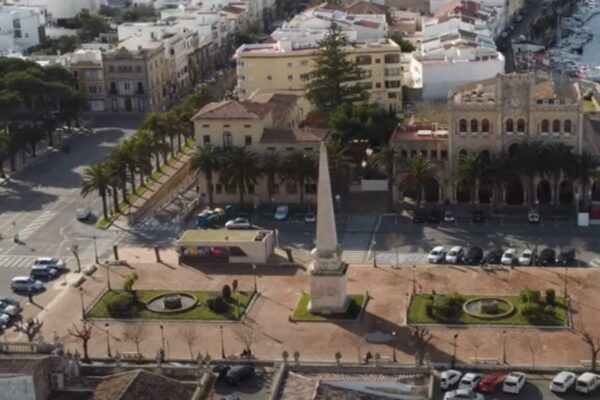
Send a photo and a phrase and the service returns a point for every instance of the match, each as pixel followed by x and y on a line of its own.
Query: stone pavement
pixel 281 287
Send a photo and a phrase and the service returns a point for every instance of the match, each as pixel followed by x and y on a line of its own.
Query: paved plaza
pixel 388 288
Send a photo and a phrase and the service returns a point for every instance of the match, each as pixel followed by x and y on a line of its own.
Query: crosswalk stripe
pixel 36 224
pixel 16 261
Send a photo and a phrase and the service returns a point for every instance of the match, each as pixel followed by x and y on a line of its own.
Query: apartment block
pixel 86 66
pixel 20 28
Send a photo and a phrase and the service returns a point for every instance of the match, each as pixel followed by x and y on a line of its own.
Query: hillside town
pixel 295 200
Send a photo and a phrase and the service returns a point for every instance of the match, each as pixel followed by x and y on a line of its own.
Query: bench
pixel 116 262
pixel 480 360
pixel 131 355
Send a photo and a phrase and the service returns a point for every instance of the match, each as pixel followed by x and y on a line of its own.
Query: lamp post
pixel 374 254
pixel 95 250
pixel 107 264
pixel 394 346
pixel 504 346
pixel 162 343
pixel 397 257
pixel 222 342
pixel 254 277
pixel 82 306
pixel 566 280
pixel 108 352
pixel 414 279
pixel 454 350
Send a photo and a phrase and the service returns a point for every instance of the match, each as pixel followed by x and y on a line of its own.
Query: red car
pixel 491 382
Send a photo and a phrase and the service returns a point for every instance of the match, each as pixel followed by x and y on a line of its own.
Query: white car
pixel 526 257
pixel 470 380
pixel 83 213
pixel 449 216
pixel 562 382
pixel 4 319
pixel 463 394
pixel 281 213
pixel 449 378
pixel 587 382
pixel 436 255
pixel 9 309
pixel 514 382
pixel 238 223
pixel 25 284
pixel 533 218
pixel 310 218
pixel 508 256
pixel 50 262
pixel 455 255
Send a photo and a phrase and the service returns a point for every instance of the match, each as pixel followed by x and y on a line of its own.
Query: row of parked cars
pixel 43 268
pixel 282 213
pixel 9 311
pixel 467 386
pixel 473 255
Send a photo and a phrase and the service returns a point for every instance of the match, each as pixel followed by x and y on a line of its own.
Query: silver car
pixel 25 284
pixel 9 309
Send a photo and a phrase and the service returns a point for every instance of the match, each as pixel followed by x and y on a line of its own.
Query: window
pixel 377 85
pixel 206 139
pixel 114 105
pixel 304 77
pixel 403 153
pixel 485 126
pixel 141 105
pixel 310 188
pixel 567 127
pixel 113 88
pixel 424 153
pixel 140 88
pixel 545 126
pixel 392 84
pixel 226 126
pixel 303 63
pixel 290 77
pixel 474 126
pixel 206 126
pixel 172 52
pixel 291 188
pixel 269 77
pixel 392 95
pixel 247 126
pixel 377 60
pixel 227 139
pixel 413 153
pixel 111 68
pixel 462 126
pixel 392 71
pixel 444 154
pixel 219 188
pixel 230 189
pixel 126 86
pixel 433 154
pixel 556 126
pixel 248 140
pixel 138 69
pixel 92 89
pixel 510 125
pixel 363 60
pixel 392 58
pixel 289 65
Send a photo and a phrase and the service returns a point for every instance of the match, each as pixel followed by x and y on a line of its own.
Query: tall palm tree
pixel 156 123
pixel 271 167
pixel 500 170
pixel 299 168
pixel 208 161
pixel 150 144
pixel 529 159
pixel 96 178
pixel 583 171
pixel 557 161
pixel 415 174
pixel 241 169
pixel 386 159
pixel 117 168
pixel 468 173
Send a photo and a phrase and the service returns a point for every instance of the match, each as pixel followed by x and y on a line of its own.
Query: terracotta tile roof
pixel 232 9
pixel 229 109
pixel 141 385
pixel 20 365
pixel 293 135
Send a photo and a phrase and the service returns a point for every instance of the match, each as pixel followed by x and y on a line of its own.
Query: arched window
pixel 521 125
pixel 474 125
pixel 227 139
pixel 510 125
pixel 462 125
pixel 485 126
pixel 567 127
pixel 556 126
pixel 545 126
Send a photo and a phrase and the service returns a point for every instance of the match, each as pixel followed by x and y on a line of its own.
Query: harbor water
pixel 591 50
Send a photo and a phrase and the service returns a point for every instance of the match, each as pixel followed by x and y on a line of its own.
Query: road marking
pixel 7 261
pixel 36 224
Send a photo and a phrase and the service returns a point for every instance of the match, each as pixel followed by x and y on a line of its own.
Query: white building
pixel 64 9
pixel 21 28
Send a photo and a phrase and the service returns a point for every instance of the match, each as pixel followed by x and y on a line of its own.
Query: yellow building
pixel 284 67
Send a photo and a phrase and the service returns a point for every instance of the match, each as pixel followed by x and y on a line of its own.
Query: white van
pixel 587 382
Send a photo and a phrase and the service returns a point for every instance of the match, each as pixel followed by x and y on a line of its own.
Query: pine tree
pixel 334 79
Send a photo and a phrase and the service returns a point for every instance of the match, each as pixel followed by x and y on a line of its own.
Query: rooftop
pixel 23 364
pixel 293 135
pixel 222 235
pixel 419 134
pixel 140 384
pixel 230 109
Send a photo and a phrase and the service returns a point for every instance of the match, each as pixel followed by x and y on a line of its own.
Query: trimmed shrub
pixel 456 298
pixel 121 305
pixel 226 293
pixel 549 311
pixel 535 296
pixel 525 295
pixel 532 311
pixel 217 304
pixel 128 284
pixel 550 296
pixel 442 307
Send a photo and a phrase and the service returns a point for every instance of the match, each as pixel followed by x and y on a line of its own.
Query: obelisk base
pixel 328 294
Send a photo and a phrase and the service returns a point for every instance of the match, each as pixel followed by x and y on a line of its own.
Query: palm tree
pixel 126 151
pixel 386 159
pixel 241 169
pixel 271 167
pixel 96 178
pixel 499 169
pixel 415 173
pixel 558 159
pixel 468 173
pixel 583 171
pixel 159 126
pixel 299 168
pixel 208 161
pixel 150 144
pixel 117 168
pixel 529 159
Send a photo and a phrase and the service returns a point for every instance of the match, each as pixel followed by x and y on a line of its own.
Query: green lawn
pixel 418 315
pixel 301 313
pixel 200 312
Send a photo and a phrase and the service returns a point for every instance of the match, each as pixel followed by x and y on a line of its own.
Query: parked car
pixel 449 378
pixel 587 382
pixel 50 262
pixel 281 213
pixel 526 257
pixel 473 256
pixel 514 382
pixel 533 218
pixel 470 380
pixel 478 216
pixel 238 373
pixel 449 216
pixel 418 217
pixel 43 272
pixel 455 255
pixel 10 301
pixel 562 382
pixel 509 256
pixel 83 213
pixel 310 218
pixel 25 284
pixel 10 309
pixel 546 257
pixel 4 319
pixel 463 394
pixel 238 223
pixel 434 217
pixel 221 369
pixel 566 257
pixel 436 255
pixel 493 257
pixel 491 382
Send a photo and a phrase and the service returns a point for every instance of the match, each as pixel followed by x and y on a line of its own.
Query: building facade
pixel 86 66
pixel 20 28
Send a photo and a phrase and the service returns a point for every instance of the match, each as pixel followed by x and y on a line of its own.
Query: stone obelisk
pixel 328 271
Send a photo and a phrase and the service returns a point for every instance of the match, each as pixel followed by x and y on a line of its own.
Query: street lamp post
pixel 374 254
pixel 566 281
pixel 82 305
pixel 504 346
pixel 397 257
pixel 95 250
pixel 162 343
pixel 222 342
pixel 254 277
pixel 394 346
pixel 454 350
pixel 414 279
pixel 107 264
pixel 108 352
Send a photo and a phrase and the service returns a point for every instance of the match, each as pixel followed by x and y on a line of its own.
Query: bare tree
pixel 189 335
pixel 245 334
pixel 135 333
pixel 83 333
pixel 421 338
pixel 31 328
pixel 429 112
pixel 594 345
